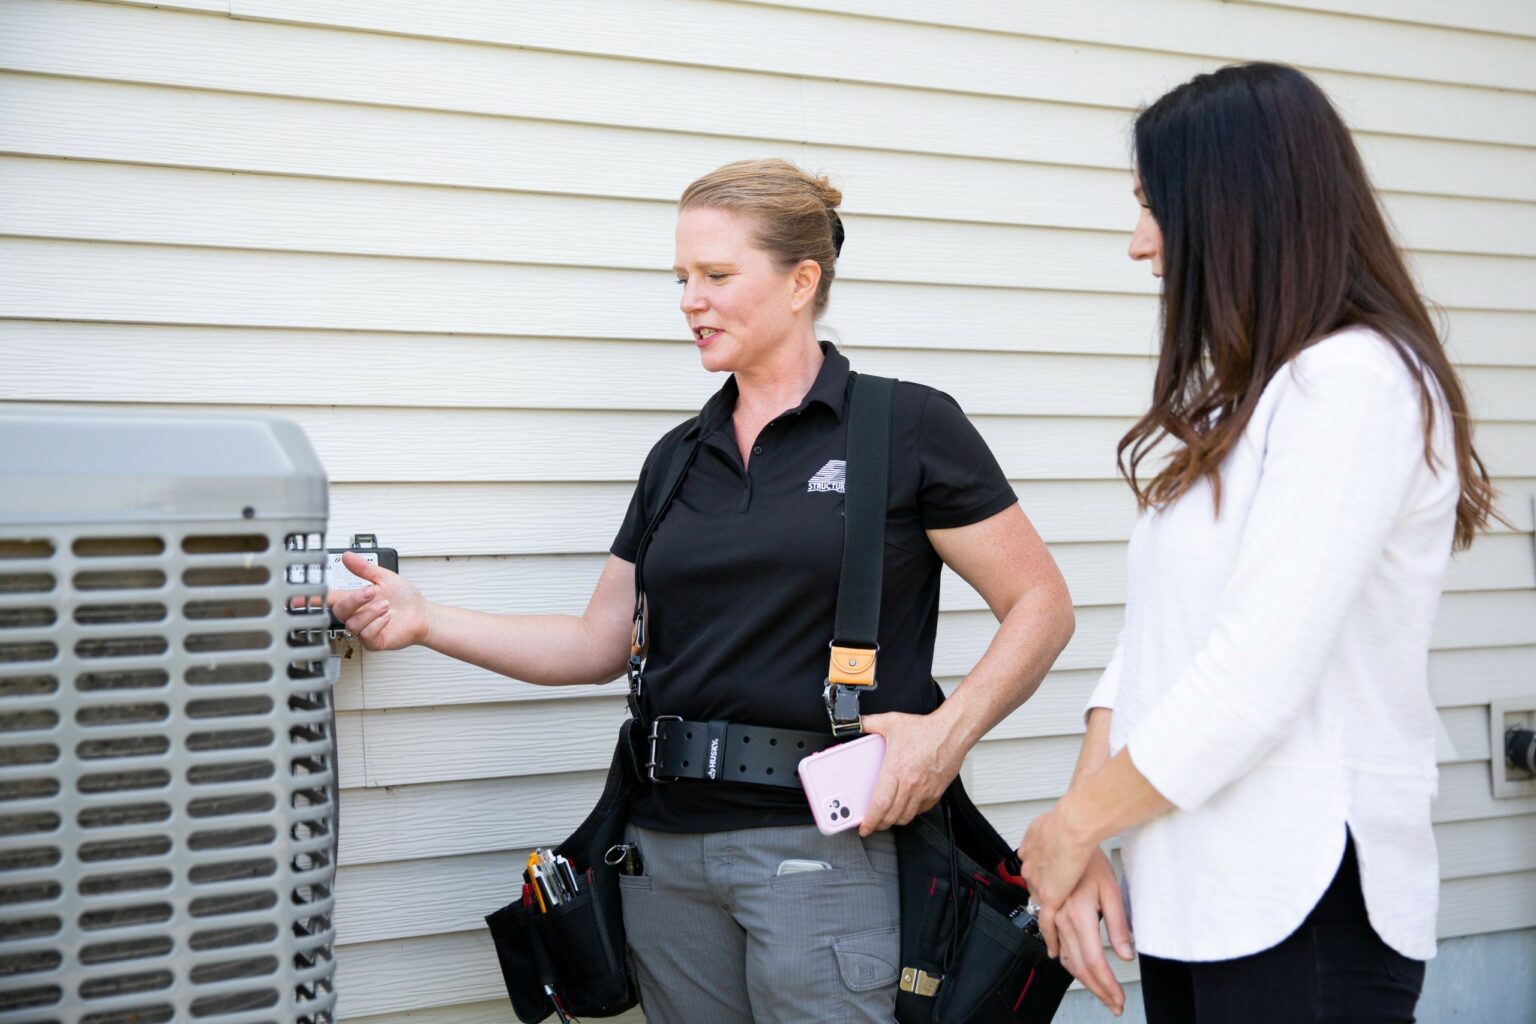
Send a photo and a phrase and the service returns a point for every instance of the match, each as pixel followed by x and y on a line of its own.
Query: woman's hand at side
pixel 386 615
pixel 1077 932
pixel 1054 858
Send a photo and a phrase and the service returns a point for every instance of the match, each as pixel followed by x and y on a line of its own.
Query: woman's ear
pixel 804 280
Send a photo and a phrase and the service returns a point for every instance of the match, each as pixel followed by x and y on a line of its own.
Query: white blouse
pixel 1272 678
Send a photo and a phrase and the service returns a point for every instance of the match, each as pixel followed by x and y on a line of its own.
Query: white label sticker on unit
pixel 342 577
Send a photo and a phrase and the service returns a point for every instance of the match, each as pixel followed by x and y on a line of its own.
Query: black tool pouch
pixel 964 957
pixel 577 947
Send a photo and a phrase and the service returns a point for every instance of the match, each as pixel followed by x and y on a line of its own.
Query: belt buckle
pixel 650 765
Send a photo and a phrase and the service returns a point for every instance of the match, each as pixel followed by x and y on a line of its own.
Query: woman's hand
pixel 1077 931
pixel 1054 858
pixel 922 758
pixel 386 615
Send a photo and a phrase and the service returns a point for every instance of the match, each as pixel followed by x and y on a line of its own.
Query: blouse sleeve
pixel 1342 449
pixel 1103 695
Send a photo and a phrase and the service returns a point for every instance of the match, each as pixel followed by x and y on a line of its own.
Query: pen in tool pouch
pixel 534 876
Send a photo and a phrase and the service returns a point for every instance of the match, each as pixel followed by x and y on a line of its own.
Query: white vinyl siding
pixel 437 236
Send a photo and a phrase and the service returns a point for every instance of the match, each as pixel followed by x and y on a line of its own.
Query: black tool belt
pixel 729 752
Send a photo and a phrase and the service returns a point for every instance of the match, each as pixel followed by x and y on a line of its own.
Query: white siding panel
pixel 483 741
pixel 1492 903
pixel 120 122
pixel 60 361
pixel 396 975
pixel 1465 795
pixel 1228 29
pixel 153 284
pixel 61 199
pixel 385 901
pixel 535 445
pixel 1481 674
pixel 1489 338
pixel 56 198
pixel 103 362
pixel 1470 849
pixel 508 519
pixel 539 518
pixel 497 519
pixel 861 49
pixel 1512 17
pixel 459 968
pixel 103 281
pixel 419 678
pixel 444 819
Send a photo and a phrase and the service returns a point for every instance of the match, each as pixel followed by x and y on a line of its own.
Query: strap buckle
pixel 850 670
pixel 842 709
pixel 650 765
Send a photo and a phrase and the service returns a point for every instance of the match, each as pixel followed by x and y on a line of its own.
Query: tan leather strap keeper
pixel 852 666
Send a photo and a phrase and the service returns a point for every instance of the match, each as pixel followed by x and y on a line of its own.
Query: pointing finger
pixel 360 566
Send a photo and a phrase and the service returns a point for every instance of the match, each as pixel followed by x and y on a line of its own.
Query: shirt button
pixel 757 449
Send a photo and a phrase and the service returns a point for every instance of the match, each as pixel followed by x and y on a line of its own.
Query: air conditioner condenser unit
pixel 167 749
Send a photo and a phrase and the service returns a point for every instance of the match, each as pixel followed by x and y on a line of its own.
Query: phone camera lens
pixel 845 812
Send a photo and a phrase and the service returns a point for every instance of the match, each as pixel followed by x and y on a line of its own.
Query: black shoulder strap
pixel 682 457
pixel 864 508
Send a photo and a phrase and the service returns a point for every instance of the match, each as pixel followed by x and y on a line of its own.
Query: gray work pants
pixel 717 936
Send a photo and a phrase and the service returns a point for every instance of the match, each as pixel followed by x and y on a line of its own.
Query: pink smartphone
pixel 840 780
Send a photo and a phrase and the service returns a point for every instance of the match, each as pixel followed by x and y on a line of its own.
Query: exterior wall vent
pixel 167 764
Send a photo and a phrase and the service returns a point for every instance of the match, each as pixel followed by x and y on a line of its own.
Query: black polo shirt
pixel 741 575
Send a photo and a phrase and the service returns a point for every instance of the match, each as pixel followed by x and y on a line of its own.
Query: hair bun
pixel 829 192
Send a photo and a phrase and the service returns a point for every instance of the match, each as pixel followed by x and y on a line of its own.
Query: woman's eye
pixel 718 277
pixel 682 280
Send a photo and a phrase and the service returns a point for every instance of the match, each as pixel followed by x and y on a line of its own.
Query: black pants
pixel 1333 968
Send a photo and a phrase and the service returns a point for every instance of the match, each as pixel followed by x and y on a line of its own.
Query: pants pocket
pixel 880 853
pixel 867 960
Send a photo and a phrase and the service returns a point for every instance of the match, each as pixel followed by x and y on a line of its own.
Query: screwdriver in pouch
pixel 547 978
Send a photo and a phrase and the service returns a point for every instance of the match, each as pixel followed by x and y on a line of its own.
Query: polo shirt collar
pixel 829 389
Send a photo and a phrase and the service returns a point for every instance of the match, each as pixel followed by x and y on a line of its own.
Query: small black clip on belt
pixel 722 751
pixel 850 671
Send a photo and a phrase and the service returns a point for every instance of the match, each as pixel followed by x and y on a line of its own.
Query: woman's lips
pixel 703 335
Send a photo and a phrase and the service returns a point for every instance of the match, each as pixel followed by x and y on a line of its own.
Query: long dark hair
pixel 1272 239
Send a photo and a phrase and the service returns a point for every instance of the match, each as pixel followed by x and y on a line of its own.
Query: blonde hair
pixel 796 212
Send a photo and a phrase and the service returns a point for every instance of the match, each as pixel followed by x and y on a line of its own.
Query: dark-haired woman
pixel 1263 738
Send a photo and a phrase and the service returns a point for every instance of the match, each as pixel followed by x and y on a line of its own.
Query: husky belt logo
pixel 714 757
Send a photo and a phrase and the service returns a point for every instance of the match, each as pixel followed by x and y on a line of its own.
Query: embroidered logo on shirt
pixel 831 477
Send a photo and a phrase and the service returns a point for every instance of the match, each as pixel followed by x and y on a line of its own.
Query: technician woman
pixel 744 911
pixel 1264 736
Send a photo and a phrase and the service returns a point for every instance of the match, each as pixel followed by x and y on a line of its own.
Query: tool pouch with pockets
pixel 970 953
pixel 577 947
